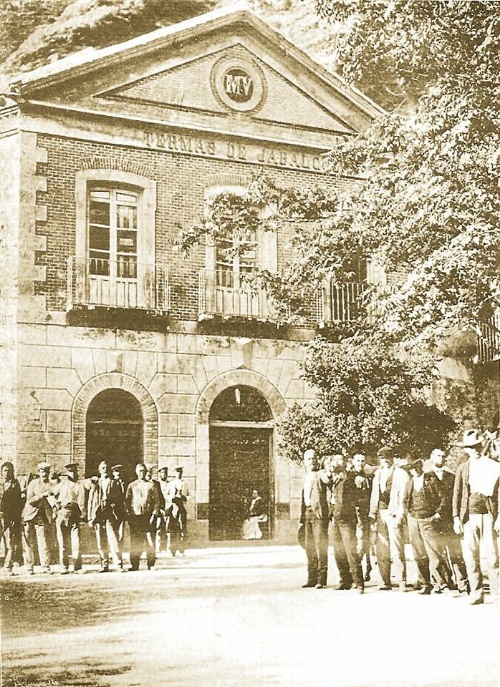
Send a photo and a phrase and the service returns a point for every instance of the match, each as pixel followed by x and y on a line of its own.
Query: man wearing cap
pixel 11 505
pixel 178 493
pixel 118 487
pixel 423 503
pixel 37 517
pixel 162 538
pixel 386 509
pixel 450 542
pixel 345 545
pixel 314 517
pixel 70 496
pixel 143 507
pixel 475 509
pixel 104 512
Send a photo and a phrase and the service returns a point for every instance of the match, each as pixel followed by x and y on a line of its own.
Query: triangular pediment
pixel 222 81
pixel 226 71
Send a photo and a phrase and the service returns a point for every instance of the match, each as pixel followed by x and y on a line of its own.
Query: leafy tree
pixel 367 397
pixel 424 205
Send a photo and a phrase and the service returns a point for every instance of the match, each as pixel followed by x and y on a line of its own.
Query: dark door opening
pixel 239 463
pixel 114 432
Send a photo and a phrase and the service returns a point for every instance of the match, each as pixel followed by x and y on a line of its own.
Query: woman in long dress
pixel 251 527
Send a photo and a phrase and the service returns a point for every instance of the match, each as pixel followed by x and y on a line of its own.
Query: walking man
pixel 314 517
pixel 475 511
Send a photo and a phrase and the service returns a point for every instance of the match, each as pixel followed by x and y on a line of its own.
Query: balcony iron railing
pixel 341 303
pixel 489 341
pixel 221 292
pixel 119 284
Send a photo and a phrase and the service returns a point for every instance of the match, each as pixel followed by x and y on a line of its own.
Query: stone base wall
pixel 175 377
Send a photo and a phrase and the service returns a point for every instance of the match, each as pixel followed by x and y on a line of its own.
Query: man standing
pixel 314 517
pixel 37 517
pixel 450 542
pixel 143 507
pixel 475 510
pixel 11 505
pixel 386 509
pixel 162 538
pixel 118 487
pixel 178 493
pixel 70 496
pixel 363 484
pixel 344 531
pixel 105 505
pixel 423 503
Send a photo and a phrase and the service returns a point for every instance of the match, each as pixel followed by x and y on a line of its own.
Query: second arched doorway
pixel 241 433
pixel 114 429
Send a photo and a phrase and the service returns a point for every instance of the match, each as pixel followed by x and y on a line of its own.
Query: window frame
pixel 117 180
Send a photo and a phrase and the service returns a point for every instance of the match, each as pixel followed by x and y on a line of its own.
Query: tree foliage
pixel 423 204
pixel 367 396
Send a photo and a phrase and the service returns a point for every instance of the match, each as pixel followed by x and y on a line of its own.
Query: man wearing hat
pixel 178 493
pixel 386 509
pixel 70 495
pixel 37 517
pixel 423 504
pixel 475 509
pixel 119 488
pixel 450 542
pixel 162 537
pixel 104 512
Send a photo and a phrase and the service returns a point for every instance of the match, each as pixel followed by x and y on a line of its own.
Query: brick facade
pixel 87 123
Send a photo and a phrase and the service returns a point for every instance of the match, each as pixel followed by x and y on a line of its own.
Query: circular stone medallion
pixel 238 84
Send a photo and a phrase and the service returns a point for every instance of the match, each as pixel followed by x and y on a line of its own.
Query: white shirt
pixel 308 483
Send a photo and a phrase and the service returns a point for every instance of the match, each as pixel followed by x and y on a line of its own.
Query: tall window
pixel 113 233
pixel 114 263
pixel 235 259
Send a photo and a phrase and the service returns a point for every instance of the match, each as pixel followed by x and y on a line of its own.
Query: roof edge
pixel 82 61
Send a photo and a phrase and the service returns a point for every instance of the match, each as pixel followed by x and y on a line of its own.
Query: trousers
pixel 480 538
pixel 316 543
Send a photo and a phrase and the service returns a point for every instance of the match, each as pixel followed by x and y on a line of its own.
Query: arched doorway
pixel 241 433
pixel 114 432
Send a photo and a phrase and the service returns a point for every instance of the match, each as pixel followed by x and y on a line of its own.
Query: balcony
pixel 224 294
pixel 121 284
pixel 341 304
pixel 489 341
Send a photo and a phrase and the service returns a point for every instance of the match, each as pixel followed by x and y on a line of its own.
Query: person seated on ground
pixel 256 515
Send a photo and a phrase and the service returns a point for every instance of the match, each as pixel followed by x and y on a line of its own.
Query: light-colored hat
pixel 471 438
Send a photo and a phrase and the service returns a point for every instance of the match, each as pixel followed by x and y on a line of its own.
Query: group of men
pixel 52 507
pixel 450 519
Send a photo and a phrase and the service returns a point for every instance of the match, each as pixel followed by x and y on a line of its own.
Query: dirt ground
pixel 238 617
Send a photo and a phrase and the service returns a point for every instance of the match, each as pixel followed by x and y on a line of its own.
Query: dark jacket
pixel 11 503
pixel 431 494
pixel 347 497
